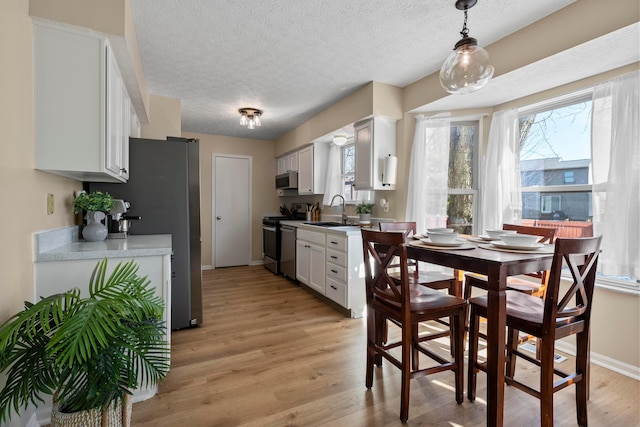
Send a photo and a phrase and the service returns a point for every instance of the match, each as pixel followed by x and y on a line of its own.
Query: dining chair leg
pixel 474 324
pixel 546 383
pixel 406 373
pixel 380 329
pixel 371 353
pixel 415 341
pixel 512 346
pixel 458 333
pixel 582 387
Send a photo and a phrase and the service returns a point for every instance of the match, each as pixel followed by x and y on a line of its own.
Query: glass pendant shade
pixel 467 69
pixel 252 123
pixel 243 119
pixel 256 120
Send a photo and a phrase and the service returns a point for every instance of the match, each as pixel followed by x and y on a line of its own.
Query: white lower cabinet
pixel 310 262
pixel 341 265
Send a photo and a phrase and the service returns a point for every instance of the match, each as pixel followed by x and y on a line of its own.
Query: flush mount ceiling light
pixel 340 139
pixel 250 117
pixel 468 68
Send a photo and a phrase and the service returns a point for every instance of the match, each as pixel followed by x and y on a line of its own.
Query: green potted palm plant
pixel 89 352
pixel 364 210
pixel 96 204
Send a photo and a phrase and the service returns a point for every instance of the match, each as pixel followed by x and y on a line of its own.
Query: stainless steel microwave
pixel 287 181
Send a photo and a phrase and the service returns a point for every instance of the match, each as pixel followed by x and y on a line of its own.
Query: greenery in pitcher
pixel 364 208
pixel 87 352
pixel 95 201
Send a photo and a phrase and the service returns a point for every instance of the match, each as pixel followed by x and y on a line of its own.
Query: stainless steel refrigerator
pixel 164 190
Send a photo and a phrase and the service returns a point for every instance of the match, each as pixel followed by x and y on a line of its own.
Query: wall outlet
pixel 49 204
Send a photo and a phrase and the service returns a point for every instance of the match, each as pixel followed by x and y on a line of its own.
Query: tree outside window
pixel 462 187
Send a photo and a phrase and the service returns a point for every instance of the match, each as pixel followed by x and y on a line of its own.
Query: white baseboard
pixel 604 361
pixel 211 267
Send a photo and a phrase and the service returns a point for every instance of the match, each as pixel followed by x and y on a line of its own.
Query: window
pixel 569 177
pixel 348 171
pixel 462 176
pixel 555 164
pixel 550 204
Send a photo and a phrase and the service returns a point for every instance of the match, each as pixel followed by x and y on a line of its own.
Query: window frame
pixel 605 282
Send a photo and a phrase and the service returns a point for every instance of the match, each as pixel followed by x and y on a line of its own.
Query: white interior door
pixel 231 210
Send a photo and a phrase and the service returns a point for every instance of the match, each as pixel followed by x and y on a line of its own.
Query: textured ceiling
pixel 293 59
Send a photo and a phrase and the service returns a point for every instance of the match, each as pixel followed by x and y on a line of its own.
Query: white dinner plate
pixel 503 245
pixel 429 244
pixel 458 242
pixel 487 238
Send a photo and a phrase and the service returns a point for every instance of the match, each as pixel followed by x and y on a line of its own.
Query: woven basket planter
pixel 116 416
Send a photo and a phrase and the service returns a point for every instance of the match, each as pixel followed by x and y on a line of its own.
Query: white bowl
pixel 443 236
pixel 439 230
pixel 495 233
pixel 519 239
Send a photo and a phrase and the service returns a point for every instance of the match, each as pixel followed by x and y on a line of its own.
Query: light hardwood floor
pixel 270 354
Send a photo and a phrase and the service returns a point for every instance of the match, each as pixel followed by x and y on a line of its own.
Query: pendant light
pixel 468 68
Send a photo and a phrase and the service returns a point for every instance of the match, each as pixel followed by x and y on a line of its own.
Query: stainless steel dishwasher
pixel 288 251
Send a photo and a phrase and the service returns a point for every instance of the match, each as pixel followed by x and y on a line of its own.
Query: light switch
pixel 49 204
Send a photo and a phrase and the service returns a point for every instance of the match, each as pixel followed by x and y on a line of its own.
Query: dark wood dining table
pixel 497 266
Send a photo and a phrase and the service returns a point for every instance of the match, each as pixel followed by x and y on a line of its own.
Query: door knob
pixel 218 217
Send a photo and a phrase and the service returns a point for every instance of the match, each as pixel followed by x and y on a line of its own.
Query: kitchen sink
pixel 327 224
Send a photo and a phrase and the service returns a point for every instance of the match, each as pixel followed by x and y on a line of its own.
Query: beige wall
pixel 264 198
pixel 165 118
pixel 23 190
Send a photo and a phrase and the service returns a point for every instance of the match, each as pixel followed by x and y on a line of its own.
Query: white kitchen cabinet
pixel 375 139
pixel 288 163
pixel 312 168
pixel 310 259
pixel 341 266
pixel 82 109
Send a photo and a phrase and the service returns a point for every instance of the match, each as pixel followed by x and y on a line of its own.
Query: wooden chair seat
pixel 405 304
pixel 550 318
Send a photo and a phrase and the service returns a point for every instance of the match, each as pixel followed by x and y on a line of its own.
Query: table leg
pixel 496 323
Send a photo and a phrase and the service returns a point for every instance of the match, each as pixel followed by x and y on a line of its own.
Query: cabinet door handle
pixel 123 170
pixel 333 287
pixel 334 257
pixel 334 243
pixel 334 271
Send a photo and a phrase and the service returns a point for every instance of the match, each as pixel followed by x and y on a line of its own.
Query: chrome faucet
pixel 344 214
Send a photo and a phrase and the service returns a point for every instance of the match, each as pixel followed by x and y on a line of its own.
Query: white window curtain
pixel 333 183
pixel 429 173
pixel 500 187
pixel 615 154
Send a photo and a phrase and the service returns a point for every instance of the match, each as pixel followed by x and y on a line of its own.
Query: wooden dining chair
pixel 535 286
pixel 554 317
pixel 406 305
pixel 430 279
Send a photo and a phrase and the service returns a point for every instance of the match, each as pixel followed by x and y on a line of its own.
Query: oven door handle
pixel 268 228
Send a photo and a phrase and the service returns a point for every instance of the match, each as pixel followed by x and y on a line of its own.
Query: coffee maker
pixel 118 223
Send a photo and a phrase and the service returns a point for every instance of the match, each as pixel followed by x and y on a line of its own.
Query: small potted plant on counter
pixel 89 352
pixel 364 210
pixel 96 204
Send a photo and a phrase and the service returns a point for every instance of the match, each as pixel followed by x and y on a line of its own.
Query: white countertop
pixel 343 229
pixel 132 246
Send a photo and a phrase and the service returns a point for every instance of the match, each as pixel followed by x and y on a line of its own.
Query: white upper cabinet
pixel 83 114
pixel 375 139
pixel 288 163
pixel 312 168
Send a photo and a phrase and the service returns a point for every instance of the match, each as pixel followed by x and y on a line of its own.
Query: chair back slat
pixel 580 255
pixel 377 264
pixel 547 235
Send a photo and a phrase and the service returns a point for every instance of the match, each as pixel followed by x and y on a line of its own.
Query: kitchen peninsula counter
pixel 63 262
pixel 131 247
